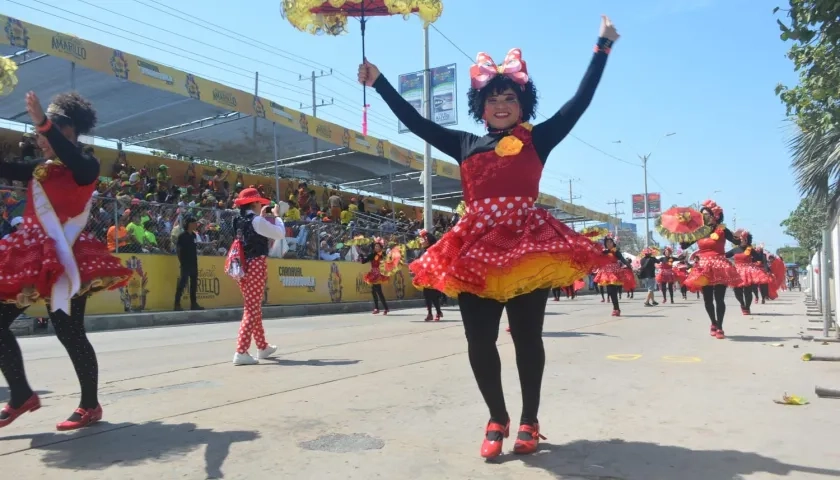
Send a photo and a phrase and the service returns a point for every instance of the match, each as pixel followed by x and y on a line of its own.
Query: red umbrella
pixel 682 225
pixel 596 234
pixel 330 17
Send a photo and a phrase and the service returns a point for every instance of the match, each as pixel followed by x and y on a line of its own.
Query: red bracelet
pixel 599 49
pixel 44 127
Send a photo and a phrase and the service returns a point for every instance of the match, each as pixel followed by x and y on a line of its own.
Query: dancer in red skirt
pixel 430 295
pixel 376 276
pixel 767 293
pixel 666 276
pixel 712 273
pixel 504 253
pixel 629 282
pixel 612 274
pixel 681 272
pixel 50 258
pixel 746 259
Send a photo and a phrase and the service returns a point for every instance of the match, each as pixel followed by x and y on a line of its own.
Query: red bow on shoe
pixel 485 69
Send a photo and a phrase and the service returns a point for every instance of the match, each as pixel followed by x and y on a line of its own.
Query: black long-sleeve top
pixel 648 269
pixel 85 167
pixel 461 145
pixel 727 233
pixel 755 255
pixel 618 256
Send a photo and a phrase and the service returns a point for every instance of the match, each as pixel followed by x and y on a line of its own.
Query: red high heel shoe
pixel 385 312
pixel 438 317
pixel 375 311
pixel 30 405
pixel 713 331
pixel 428 317
pixel 720 335
pixel 87 417
pixel 529 445
pixel 493 448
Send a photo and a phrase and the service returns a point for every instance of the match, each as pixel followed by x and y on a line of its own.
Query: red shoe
pixel 375 311
pixel 428 317
pixel 745 311
pixel 556 299
pixel 713 331
pixel 81 418
pixel 602 300
pixel 719 335
pixel 30 405
pixel 385 312
pixel 492 445
pixel 617 313
pixel 531 442
pixel 507 329
pixel 438 317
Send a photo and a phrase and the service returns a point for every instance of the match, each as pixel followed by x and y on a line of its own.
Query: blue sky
pixel 704 69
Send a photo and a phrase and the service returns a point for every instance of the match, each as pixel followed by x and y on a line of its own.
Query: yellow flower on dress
pixel 8 79
pixel 509 146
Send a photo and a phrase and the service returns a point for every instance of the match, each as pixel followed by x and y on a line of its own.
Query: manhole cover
pixel 340 443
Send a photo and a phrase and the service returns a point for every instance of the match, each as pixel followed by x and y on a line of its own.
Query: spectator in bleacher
pixel 328 253
pixel 163 177
pixel 335 205
pixel 118 234
pixel 346 215
pixel 293 215
pixel 120 165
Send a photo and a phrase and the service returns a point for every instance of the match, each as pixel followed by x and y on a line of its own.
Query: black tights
pixel 684 291
pixel 744 296
pixel 526 314
pixel 601 289
pixel 669 287
pixel 713 298
pixel 378 294
pixel 70 330
pixel 432 298
pixel 765 291
pixel 612 292
pixel 556 293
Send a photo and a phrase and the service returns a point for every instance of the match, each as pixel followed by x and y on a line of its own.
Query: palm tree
pixel 816 162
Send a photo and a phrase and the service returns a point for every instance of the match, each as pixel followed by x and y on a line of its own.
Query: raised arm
pixel 731 237
pixel 733 252
pixel 551 132
pixel 444 139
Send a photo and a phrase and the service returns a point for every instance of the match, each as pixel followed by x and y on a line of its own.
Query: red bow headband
pixel 379 240
pixel 423 233
pixel 713 207
pixel 485 69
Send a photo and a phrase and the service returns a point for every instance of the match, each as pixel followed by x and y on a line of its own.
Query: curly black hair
pixel 719 220
pixel 77 113
pixel 748 238
pixel 526 94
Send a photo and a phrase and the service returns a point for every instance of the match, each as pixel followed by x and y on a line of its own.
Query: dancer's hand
pixel 608 30
pixel 368 73
pixel 36 111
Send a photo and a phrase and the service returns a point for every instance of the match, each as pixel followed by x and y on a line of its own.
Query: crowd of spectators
pixel 140 211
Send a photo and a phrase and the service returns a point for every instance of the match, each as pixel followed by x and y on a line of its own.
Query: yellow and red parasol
pixel 329 17
pixel 8 79
pixel 596 234
pixel 682 225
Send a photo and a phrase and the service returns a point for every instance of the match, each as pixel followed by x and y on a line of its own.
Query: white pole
pixel 276 162
pixel 428 217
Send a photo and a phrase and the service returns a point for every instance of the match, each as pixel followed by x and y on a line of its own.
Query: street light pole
pixel 647 211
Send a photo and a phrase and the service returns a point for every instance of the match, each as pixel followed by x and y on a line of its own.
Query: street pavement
pixel 646 396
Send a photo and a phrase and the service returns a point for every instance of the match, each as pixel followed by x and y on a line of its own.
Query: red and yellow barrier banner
pixel 290 282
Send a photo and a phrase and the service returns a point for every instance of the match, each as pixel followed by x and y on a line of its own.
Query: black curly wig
pixel 748 238
pixel 526 94
pixel 74 111
pixel 719 220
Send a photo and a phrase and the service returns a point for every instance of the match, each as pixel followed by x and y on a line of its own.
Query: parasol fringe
pixel 691 237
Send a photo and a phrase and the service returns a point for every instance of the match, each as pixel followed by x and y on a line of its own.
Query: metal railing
pixel 129 225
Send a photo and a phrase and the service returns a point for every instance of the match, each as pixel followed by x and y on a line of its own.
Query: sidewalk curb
pixel 24 326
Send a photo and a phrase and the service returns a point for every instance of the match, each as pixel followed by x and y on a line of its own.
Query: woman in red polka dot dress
pixel 375 277
pixel 51 258
pixel 504 253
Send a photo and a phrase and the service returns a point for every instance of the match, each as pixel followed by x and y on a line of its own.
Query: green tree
pixel 813 26
pixel 806 224
pixel 797 255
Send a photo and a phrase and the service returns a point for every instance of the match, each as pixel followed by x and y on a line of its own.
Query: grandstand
pixel 144 104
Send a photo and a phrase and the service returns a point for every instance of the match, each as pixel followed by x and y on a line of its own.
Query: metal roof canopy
pixel 148 117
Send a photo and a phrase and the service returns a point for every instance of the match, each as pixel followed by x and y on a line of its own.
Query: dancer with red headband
pixel 681 272
pixel 712 273
pixel 430 295
pixel 51 258
pixel 666 276
pixel 504 253
pixel 747 260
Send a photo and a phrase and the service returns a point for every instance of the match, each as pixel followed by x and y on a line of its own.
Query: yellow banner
pixel 290 282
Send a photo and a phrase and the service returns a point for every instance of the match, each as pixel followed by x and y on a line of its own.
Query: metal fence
pixel 129 225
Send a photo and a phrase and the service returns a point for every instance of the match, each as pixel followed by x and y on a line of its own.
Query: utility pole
pixel 615 203
pixel 315 105
pixel 572 197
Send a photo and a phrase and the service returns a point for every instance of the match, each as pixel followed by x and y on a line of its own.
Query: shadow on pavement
pixel 759 339
pixel 312 363
pixel 100 446
pixel 573 334
pixel 623 460
pixel 4 393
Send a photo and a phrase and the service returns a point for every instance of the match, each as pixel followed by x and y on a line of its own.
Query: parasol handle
pixel 364 87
